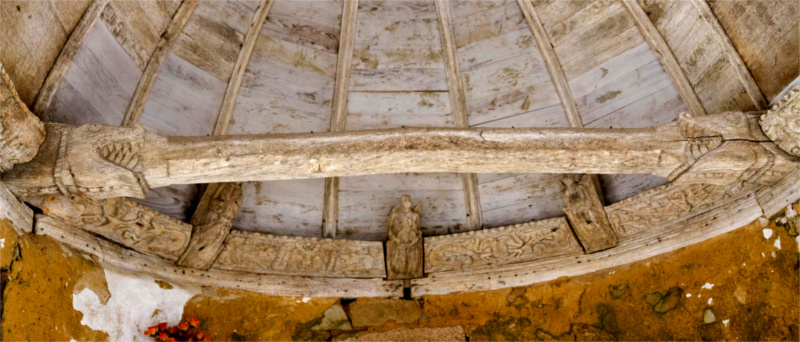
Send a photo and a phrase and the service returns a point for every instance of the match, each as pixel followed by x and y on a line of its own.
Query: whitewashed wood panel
pixel 583 20
pixel 658 108
pixel 396 9
pixel 465 8
pixel 146 20
pixel 554 12
pixel 406 79
pixel 365 203
pixel 505 46
pixel 496 19
pixel 621 186
pixel 292 207
pixel 391 110
pixel 516 198
pixel 287 88
pixel 314 24
pixel 104 78
pixel 410 43
pixel 184 100
pixel 551 116
pixel 236 14
pixel 174 201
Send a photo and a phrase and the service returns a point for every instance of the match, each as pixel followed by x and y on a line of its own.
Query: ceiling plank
pixel 344 64
pixel 458 106
pixel 64 60
pixel 742 72
pixel 665 55
pixel 157 59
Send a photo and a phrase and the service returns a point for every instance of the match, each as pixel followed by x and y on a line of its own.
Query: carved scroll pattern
pixel 137 227
pixel 782 123
pixel 264 253
pixel 500 246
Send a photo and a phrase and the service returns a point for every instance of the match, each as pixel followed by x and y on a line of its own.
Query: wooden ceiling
pixel 621 71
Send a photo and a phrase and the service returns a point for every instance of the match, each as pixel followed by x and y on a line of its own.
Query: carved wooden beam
pixel 157 59
pixel 211 223
pixel 112 255
pixel 123 221
pixel 65 57
pixel 347 36
pixel 742 72
pixel 21 132
pixel 665 55
pixel 104 162
pixel 583 204
pixel 458 107
pixel 782 123
pixel 18 213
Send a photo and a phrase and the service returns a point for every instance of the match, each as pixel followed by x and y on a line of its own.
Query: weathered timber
pixel 404 252
pixel 344 63
pixel 302 256
pixel 123 221
pixel 665 55
pixel 42 105
pixel 699 227
pixel 782 122
pixel 778 196
pixel 113 255
pixel 583 204
pixel 489 248
pixel 18 213
pixel 740 68
pixel 458 107
pixel 156 60
pixel 105 162
pixel 211 223
pixel 21 132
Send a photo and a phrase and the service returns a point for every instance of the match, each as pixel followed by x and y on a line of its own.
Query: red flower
pixel 162 337
pixel 151 331
pixel 183 326
pixel 172 330
pixel 172 339
pixel 162 326
pixel 200 336
pixel 194 322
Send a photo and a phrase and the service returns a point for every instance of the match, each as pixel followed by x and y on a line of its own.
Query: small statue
pixel 404 248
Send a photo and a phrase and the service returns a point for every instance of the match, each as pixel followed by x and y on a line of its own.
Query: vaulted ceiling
pixel 204 68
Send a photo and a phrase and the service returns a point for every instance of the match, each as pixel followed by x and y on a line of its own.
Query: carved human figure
pixel 586 213
pixel 404 248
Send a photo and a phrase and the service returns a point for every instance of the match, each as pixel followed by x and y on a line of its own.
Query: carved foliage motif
pixel 303 256
pixel 21 132
pixel 404 249
pixel 500 246
pixel 782 123
pixel 135 226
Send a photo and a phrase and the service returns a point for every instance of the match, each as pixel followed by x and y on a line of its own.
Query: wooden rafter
pixel 665 55
pixel 64 60
pixel 742 72
pixel 157 59
pixel 458 108
pixel 330 207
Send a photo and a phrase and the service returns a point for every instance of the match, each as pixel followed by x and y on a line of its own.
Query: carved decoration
pixel 500 246
pixel 212 223
pixel 404 253
pixel 304 256
pixel 782 122
pixel 123 221
pixel 583 204
pixel 21 132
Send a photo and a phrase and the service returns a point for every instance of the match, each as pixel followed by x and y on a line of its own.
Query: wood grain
pixel 665 55
pixel 18 213
pixel 64 60
pixel 157 59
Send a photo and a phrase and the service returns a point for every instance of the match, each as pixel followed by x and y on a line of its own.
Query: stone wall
pixel 739 286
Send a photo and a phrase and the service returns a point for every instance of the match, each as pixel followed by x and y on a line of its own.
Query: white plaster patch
pixel 306 299
pixel 136 303
pixel 2 243
pixel 790 212
pixel 767 233
pixel 708 286
pixel 777 243
pixel 764 221
pixel 798 241
pixel 710 300
pixel 725 322
pixel 688 295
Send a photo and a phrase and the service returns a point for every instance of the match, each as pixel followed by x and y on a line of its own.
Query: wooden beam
pixel 211 224
pixel 235 82
pixel 458 108
pixel 21 132
pixel 665 55
pixel 582 198
pixel 742 72
pixel 553 65
pixel 105 161
pixel 112 255
pixel 18 213
pixel 347 36
pixel 42 105
pixel 157 59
